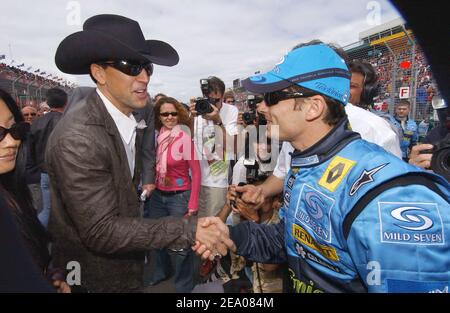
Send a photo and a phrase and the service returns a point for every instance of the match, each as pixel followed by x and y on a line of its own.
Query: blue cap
pixel 316 67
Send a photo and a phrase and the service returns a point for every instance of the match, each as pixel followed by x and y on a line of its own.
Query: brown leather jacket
pixel 96 218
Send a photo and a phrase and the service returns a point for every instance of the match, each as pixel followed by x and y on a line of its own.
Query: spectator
pixel 40 132
pixel 13 187
pixel 176 193
pixel 212 131
pixel 406 126
pixel 29 114
pixel 228 97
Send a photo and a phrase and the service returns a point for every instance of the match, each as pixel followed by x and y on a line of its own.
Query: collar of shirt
pixel 125 124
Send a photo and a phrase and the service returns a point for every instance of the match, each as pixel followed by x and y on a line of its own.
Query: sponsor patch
pixel 400 286
pixel 300 286
pixel 303 237
pixel 287 198
pixel 313 211
pixel 311 257
pixel 335 173
pixel 410 223
pixel 299 162
pixel 290 182
pixel 365 178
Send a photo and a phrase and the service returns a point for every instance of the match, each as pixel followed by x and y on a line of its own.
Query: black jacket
pixel 39 134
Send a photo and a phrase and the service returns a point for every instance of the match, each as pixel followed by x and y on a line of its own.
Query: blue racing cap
pixel 316 67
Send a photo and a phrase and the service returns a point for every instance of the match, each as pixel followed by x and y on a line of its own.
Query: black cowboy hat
pixel 110 37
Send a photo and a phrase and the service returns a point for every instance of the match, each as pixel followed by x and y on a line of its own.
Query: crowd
pixel 307 191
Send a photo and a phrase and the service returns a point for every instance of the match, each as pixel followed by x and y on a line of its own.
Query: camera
pixel 254 173
pixel 440 161
pixel 202 105
pixel 249 117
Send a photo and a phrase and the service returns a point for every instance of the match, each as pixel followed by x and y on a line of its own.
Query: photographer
pixel 436 145
pixel 214 125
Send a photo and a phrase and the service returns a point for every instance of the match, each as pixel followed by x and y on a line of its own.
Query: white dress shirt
pixel 127 129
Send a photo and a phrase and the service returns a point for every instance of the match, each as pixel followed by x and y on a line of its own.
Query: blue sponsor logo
pixel 411 223
pixel 298 162
pixel 313 211
pixel 407 286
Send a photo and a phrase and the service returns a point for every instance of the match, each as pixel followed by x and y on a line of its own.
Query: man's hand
pixel 213 116
pixel 61 286
pixel 252 195
pixel 149 188
pixel 418 159
pixel 192 107
pixel 212 238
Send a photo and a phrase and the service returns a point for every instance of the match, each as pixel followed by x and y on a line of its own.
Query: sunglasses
pixel 130 68
pixel 18 131
pixel 166 114
pixel 272 98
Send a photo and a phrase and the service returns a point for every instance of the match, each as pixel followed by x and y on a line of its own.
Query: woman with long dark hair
pixel 13 187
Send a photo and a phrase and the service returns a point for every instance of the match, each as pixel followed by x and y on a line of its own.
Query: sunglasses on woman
pixel 131 68
pixel 166 114
pixel 272 98
pixel 18 131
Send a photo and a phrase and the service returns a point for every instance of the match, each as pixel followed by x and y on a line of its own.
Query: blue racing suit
pixel 356 219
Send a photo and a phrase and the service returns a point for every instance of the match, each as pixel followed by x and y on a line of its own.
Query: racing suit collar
pixel 326 148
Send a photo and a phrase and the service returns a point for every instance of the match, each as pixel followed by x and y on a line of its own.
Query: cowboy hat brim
pixel 78 51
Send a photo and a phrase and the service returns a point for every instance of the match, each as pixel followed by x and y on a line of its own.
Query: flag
pixel 37 71
pixel 21 65
pixel 43 73
pixel 29 68
pixel 49 75
pixel 2 56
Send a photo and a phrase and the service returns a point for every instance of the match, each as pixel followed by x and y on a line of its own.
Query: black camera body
pixel 440 162
pixel 249 117
pixel 254 174
pixel 202 105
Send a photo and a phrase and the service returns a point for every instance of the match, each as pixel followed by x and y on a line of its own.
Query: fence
pixel 403 73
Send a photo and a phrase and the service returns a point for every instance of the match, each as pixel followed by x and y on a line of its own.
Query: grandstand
pixel 399 62
pixel 393 51
pixel 29 87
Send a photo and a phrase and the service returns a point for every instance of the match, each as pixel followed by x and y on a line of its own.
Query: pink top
pixel 180 159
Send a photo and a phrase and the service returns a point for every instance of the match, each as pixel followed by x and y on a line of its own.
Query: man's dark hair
pixel 216 85
pixel 370 86
pixel 56 98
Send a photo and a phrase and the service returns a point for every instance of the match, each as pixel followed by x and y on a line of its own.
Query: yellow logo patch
pixel 302 235
pixel 335 173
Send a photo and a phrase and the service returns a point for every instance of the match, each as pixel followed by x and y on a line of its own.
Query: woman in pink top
pixel 177 185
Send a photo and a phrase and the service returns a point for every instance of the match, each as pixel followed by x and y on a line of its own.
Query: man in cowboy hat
pixel 93 164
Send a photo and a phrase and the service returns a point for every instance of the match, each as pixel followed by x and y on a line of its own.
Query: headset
pixel 371 87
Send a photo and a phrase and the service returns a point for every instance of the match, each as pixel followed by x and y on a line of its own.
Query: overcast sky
pixel 226 38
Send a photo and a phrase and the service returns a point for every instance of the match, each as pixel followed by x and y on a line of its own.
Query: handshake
pixel 212 236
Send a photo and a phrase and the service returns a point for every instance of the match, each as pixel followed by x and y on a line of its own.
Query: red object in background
pixel 405 65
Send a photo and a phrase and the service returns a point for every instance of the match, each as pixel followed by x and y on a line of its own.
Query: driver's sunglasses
pixel 272 98
pixel 18 131
pixel 130 68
